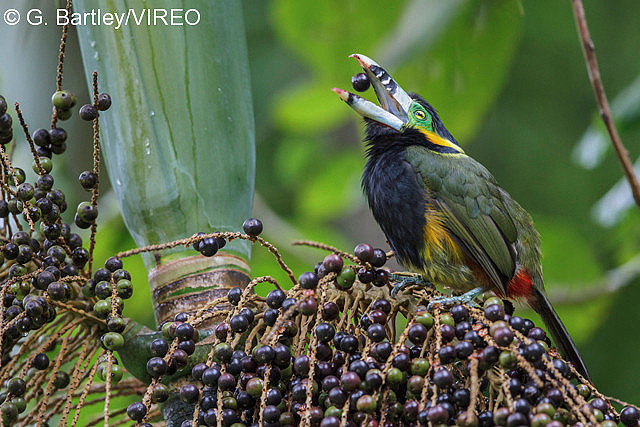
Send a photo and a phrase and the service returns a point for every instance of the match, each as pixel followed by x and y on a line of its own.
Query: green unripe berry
pixel 112 341
pixel 102 309
pixel 62 100
pixel 87 212
pixel 346 278
pixel 46 164
pixel 493 300
pixel 425 319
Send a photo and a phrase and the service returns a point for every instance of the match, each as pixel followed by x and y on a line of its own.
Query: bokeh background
pixel 509 81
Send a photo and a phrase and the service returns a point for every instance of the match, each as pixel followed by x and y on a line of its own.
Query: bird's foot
pixel 404 280
pixel 466 298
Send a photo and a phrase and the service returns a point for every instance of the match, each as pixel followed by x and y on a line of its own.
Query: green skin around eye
pixel 424 123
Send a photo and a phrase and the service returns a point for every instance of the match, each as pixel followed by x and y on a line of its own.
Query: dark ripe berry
pixel 275 298
pixel 438 414
pixel 189 393
pixel 208 246
pixel 503 336
pixel 533 352
pixel 159 347
pixel 537 334
pixel 112 264
pixel 5 121
pixel 40 361
pixel 378 316
pixel 88 180
pixel 57 136
pixel 562 367
pixel 462 328
pixel 116 324
pixel 459 313
pixel 379 258
pixel 104 101
pixel 103 290
pixel 490 355
pixel 226 382
pixel 448 332
pixel 360 82
pixel 179 359
pixel 494 312
pixel 522 406
pixel 629 416
pixel 56 291
pixel 364 275
pixel 136 411
pixel 349 344
pixel 330 311
pixel 380 278
pixel 264 354
pixel 515 386
pixel 308 280
pixel 252 227
pixel 156 367
pixel 3 105
pixel 121 274
pixel 271 414
pixel 301 365
pixel 287 304
pixel 270 316
pixel 102 274
pixel 16 386
pixel 24 254
pixel 364 252
pixel 309 306
pixel 10 251
pixel 333 263
pixel 600 405
pixel 382 351
pixel 462 398
pixel 246 312
pixel 88 112
pixel 382 305
pixel 185 332
pixel 61 380
pixel 210 376
pixel 376 332
pixel 417 333
pixel 443 378
pixel 234 295
pixel 463 349
pixel 325 332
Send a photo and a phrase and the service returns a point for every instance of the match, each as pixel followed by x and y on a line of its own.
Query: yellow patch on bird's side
pixel 437 238
pixel 438 140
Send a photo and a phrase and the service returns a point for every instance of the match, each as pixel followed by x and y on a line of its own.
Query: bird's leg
pixel 466 298
pixel 406 279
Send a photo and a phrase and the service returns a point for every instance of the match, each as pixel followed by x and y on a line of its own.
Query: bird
pixel 443 213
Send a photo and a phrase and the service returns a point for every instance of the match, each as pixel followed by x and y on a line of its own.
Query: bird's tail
pixel 540 303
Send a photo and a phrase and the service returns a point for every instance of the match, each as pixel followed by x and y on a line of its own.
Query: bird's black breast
pixel 397 202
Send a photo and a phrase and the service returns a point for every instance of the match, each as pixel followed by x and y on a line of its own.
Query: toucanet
pixel 442 212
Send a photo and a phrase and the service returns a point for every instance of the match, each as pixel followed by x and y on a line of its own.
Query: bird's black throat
pixel 395 198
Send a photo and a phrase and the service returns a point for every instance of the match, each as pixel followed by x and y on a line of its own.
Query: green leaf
pixel 333 189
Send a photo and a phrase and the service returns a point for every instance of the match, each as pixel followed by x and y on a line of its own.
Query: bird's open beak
pixel 394 101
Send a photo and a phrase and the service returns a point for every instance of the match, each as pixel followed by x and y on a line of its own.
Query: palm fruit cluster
pixel 47 290
pixel 337 350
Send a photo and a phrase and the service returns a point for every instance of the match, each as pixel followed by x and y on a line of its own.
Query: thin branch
pixel 601 98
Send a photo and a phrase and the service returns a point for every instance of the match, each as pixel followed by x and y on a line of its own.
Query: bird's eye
pixel 420 115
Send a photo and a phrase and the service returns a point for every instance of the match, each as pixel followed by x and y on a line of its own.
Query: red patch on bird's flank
pixel 520 285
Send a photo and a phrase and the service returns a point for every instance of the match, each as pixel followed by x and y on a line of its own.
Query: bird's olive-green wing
pixel 473 210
